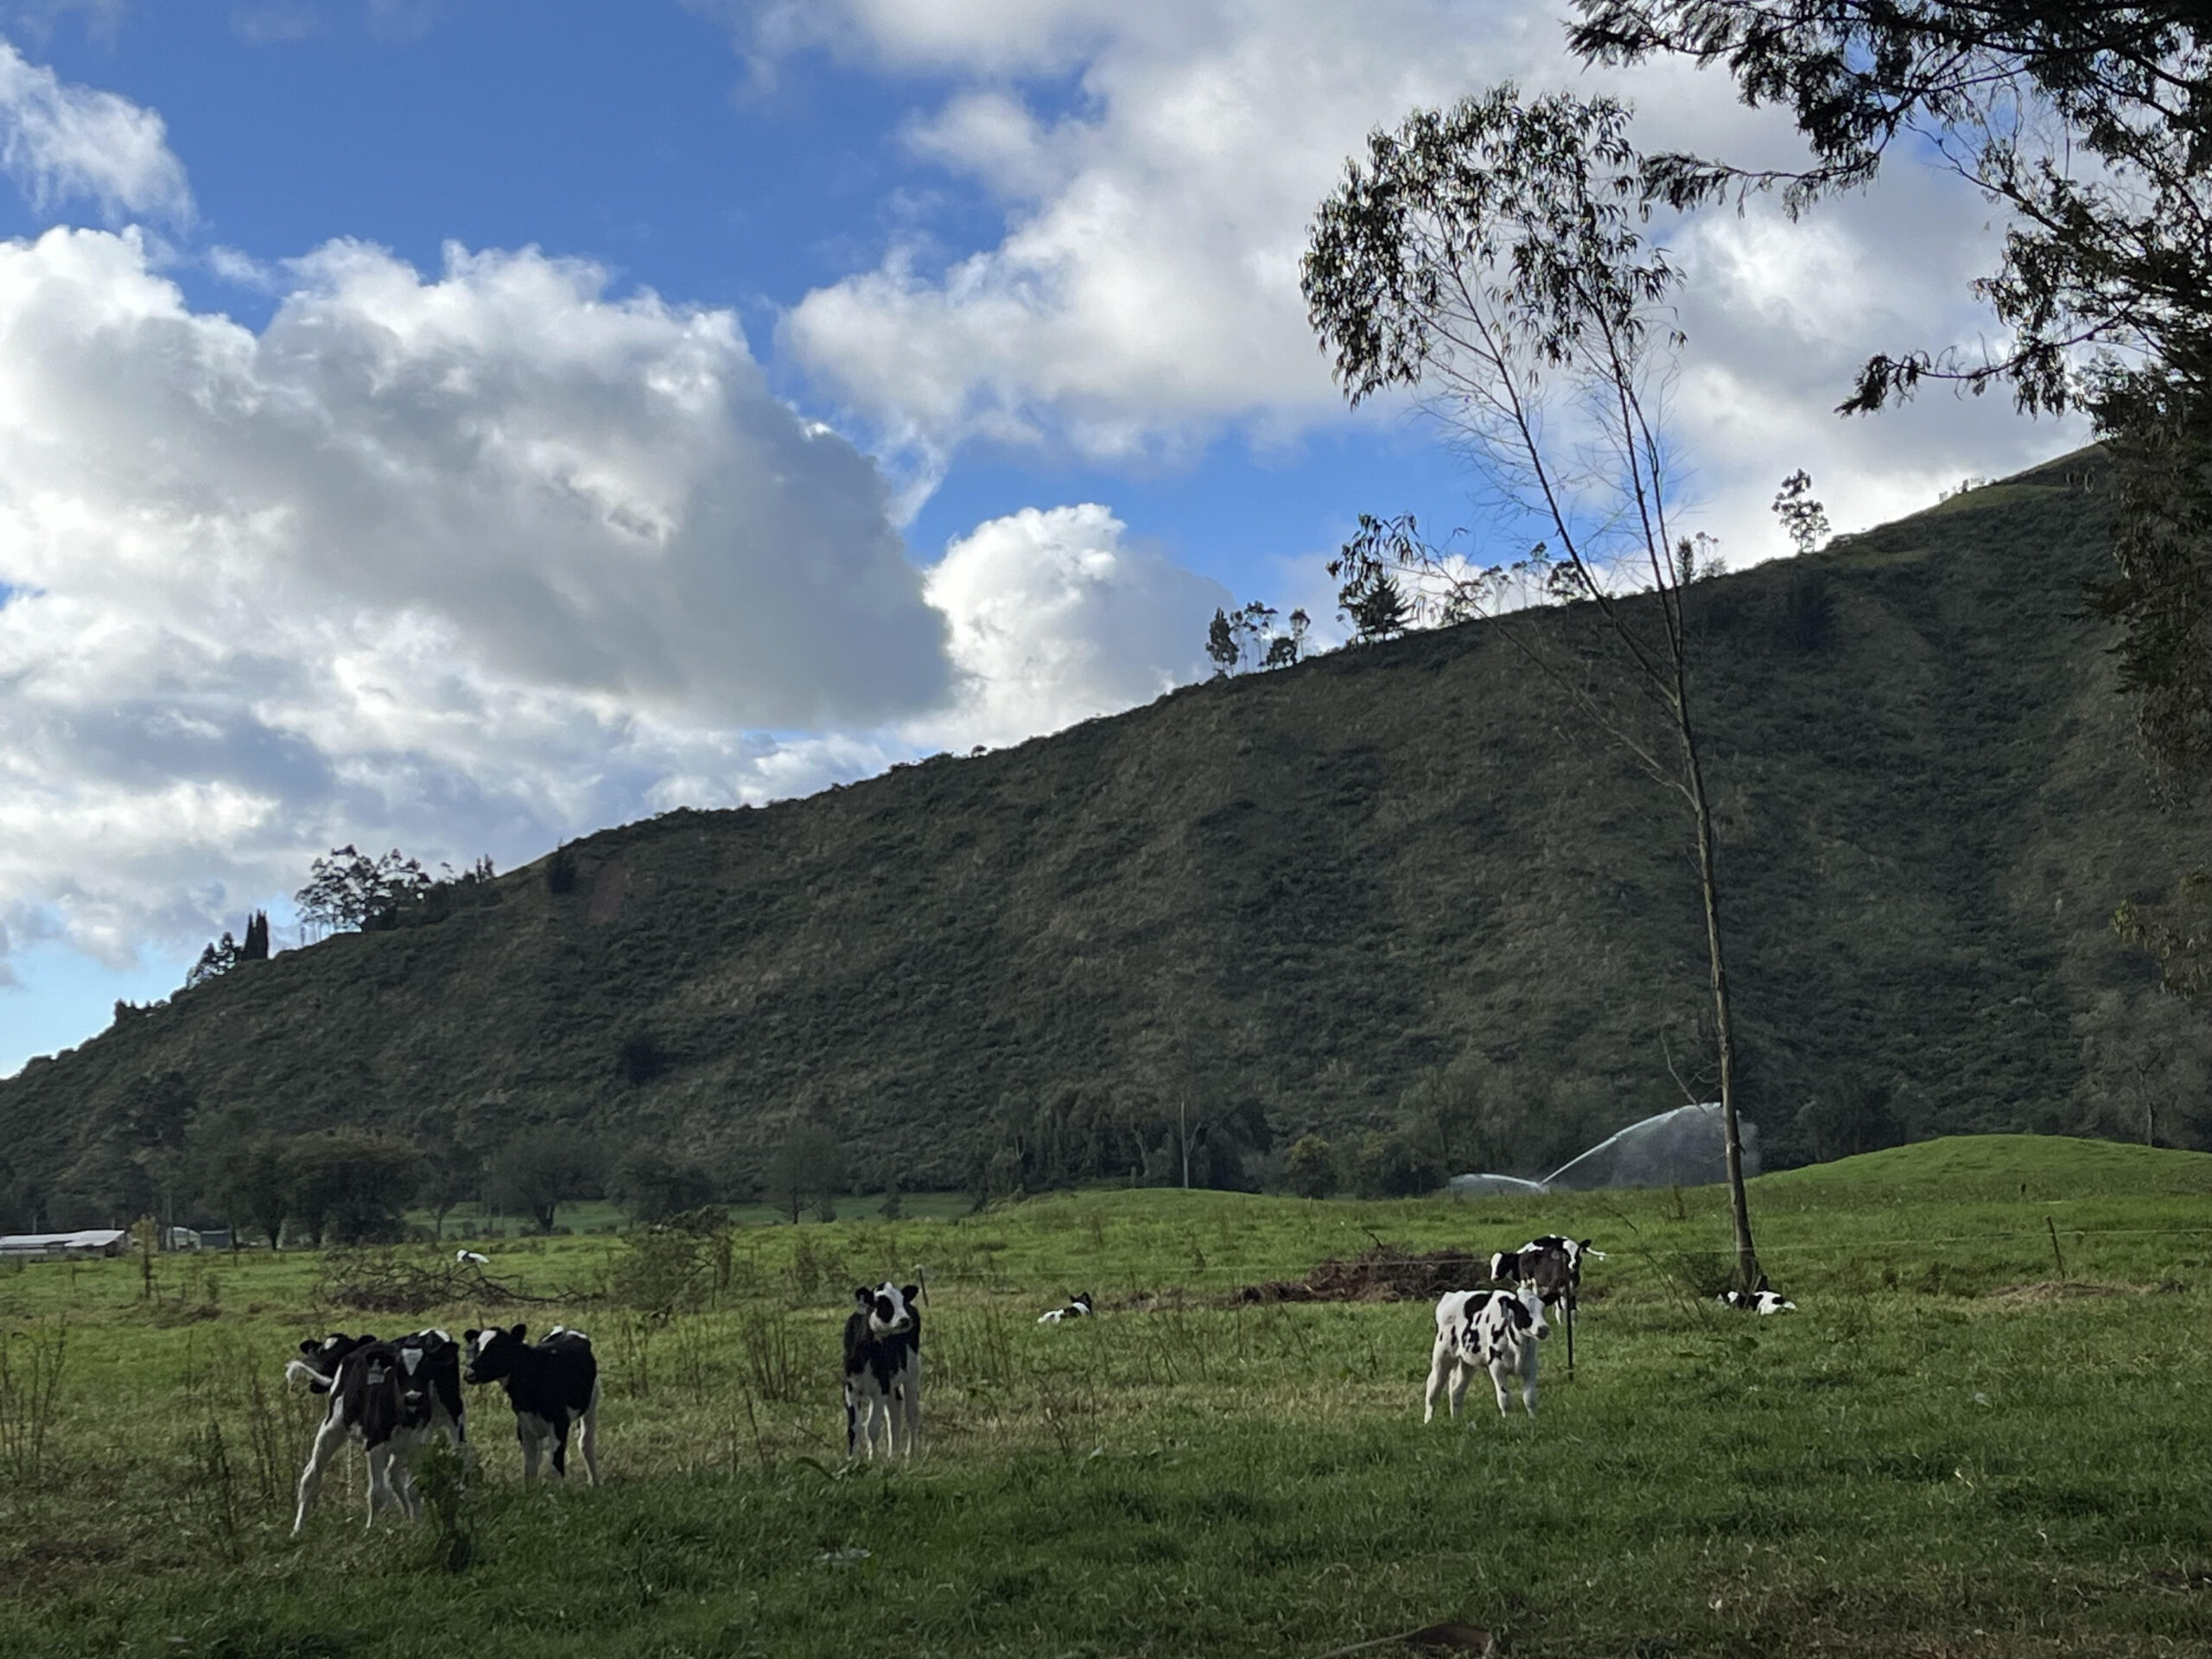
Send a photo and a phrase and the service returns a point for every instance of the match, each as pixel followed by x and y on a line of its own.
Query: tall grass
pixel 33 1358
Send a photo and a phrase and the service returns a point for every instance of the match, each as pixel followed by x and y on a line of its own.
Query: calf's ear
pixel 310 1345
pixel 910 1292
pixel 517 1333
pixel 863 1297
pixel 469 1337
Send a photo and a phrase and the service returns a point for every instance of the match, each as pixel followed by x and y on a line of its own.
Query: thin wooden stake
pixel 2055 1255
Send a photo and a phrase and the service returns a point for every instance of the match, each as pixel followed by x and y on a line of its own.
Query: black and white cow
pixel 1552 1264
pixel 883 1369
pixel 1493 1331
pixel 391 1397
pixel 1078 1307
pixel 551 1383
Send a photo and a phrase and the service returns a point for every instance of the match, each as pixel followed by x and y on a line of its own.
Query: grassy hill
pixel 1282 897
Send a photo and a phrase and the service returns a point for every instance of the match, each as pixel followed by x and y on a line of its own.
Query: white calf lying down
pixel 1495 1330
pixel 1761 1300
pixel 1078 1307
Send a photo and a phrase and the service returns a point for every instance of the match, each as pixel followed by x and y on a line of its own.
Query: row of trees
pixel 157 1151
pixel 226 953
pixel 1249 638
pixel 349 892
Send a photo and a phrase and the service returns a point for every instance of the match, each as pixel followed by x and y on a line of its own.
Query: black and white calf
pixel 1762 1297
pixel 1552 1265
pixel 428 1356
pixel 883 1369
pixel 551 1383
pixel 1493 1331
pixel 1078 1307
pixel 391 1397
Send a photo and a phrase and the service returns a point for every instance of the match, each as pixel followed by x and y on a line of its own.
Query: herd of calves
pixel 391 1397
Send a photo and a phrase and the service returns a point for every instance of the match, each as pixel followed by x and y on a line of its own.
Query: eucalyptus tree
pixel 1492 259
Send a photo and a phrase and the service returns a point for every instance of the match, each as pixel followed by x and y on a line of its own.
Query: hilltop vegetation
pixel 1270 905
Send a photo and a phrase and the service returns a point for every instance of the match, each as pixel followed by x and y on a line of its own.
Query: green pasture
pixel 1986 1431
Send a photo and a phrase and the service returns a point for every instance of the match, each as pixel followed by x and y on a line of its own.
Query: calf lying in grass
pixel 1761 1300
pixel 1078 1307
pixel 1495 1330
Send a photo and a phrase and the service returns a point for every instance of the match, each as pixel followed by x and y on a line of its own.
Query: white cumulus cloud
pixel 61 142
pixel 1143 298
pixel 464 562
pixel 1055 617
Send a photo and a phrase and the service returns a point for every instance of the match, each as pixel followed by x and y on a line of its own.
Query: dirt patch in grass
pixel 1388 1272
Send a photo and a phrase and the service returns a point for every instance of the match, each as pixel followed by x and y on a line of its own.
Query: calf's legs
pixel 325 1440
pixel 1447 1376
pixel 910 1398
pixel 589 1444
pixel 1502 1373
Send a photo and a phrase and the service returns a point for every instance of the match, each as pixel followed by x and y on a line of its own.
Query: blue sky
pixel 461 426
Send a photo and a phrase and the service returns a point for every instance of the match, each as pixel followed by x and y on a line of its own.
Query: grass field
pixel 1954 1447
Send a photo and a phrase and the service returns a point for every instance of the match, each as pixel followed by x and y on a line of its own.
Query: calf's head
pixel 1527 1305
pixel 492 1352
pixel 889 1307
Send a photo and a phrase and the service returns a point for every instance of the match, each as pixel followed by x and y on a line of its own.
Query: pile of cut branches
pixel 1386 1273
pixel 389 1282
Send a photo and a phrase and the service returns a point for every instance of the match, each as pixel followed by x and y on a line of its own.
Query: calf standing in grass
pixel 883 1368
pixel 1552 1264
pixel 1495 1330
pixel 390 1396
pixel 551 1383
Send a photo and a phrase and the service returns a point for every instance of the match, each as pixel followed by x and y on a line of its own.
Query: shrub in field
pixel 441 1475
pixel 212 1498
pixel 1310 1167
pixel 32 1361
pixel 768 1355
pixel 1391 1166
pixel 662 1272
pixel 815 1270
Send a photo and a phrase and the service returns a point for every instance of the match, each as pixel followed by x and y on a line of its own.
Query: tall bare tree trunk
pixel 1747 1259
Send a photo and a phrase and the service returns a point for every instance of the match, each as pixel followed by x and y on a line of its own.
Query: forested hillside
pixel 1275 904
